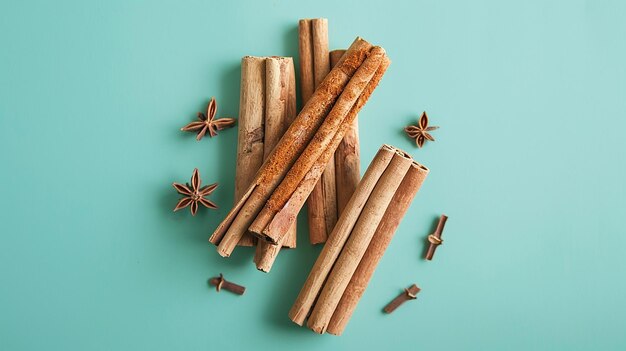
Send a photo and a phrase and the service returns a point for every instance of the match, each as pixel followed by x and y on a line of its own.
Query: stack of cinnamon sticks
pixel 269 205
pixel 363 232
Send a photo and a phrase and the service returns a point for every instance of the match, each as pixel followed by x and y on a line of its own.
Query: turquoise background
pixel 528 164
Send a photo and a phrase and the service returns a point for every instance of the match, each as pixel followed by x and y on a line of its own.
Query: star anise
pixel 208 122
pixel 420 131
pixel 194 194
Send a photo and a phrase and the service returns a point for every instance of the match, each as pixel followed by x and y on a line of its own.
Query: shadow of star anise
pixel 194 194
pixel 420 131
pixel 208 122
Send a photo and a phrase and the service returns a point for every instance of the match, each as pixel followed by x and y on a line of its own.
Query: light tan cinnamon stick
pixel 331 126
pixel 314 66
pixel 309 292
pixel 290 147
pixel 347 156
pixel 285 216
pixel 305 50
pixel 359 240
pixel 385 231
pixel 280 111
pixel 251 131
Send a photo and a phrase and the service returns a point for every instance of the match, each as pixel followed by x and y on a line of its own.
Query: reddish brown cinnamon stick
pixel 434 239
pixel 408 294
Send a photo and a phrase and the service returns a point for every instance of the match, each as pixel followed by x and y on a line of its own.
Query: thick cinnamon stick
pixel 327 257
pixel 331 126
pixel 280 111
pixel 295 140
pixel 347 156
pixel 358 241
pixel 385 231
pixel 279 223
pixel 314 66
pixel 251 135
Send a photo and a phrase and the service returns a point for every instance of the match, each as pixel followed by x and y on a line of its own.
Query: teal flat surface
pixel 529 164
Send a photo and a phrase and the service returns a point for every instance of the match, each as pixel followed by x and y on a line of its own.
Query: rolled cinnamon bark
pixel 305 50
pixel 251 132
pixel 314 66
pixel 309 292
pixel 290 147
pixel 385 231
pixel 358 241
pixel 277 224
pixel 279 113
pixel 331 126
pixel 347 156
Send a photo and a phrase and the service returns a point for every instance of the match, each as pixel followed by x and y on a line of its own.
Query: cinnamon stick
pixel 314 66
pixel 251 132
pixel 279 113
pixel 293 143
pixel 305 51
pixel 347 156
pixel 359 240
pixel 331 126
pixel 331 250
pixel 285 216
pixel 385 231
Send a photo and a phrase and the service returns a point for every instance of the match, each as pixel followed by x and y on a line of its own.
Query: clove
pixel 434 239
pixel 409 293
pixel 221 283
